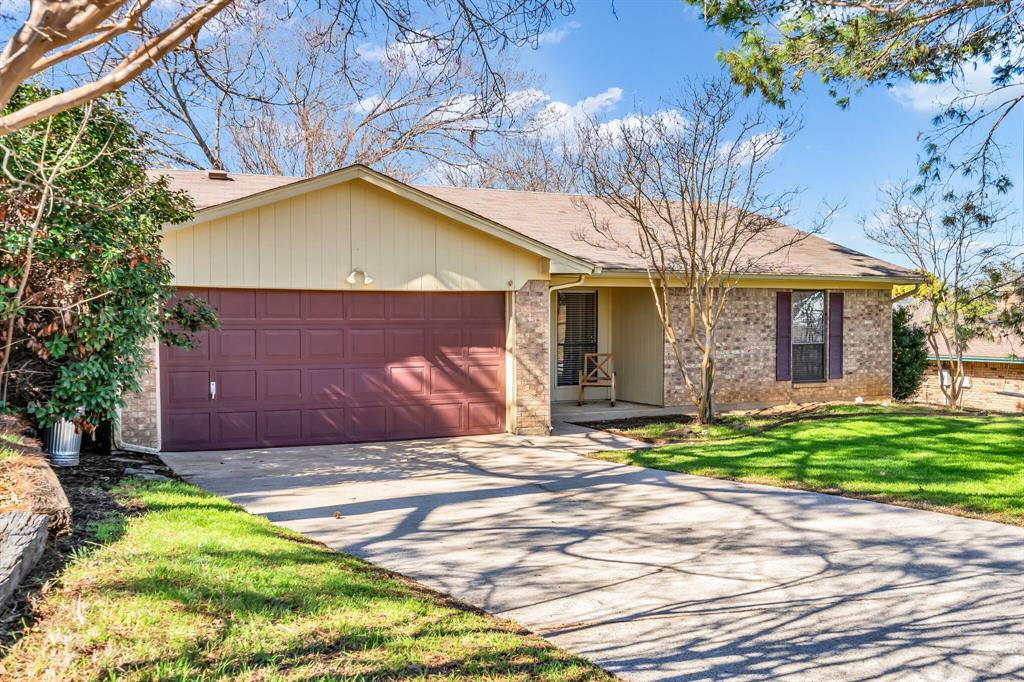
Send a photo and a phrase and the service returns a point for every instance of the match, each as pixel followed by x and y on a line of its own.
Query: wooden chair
pixel 597 372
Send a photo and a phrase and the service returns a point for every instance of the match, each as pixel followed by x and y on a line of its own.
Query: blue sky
pixel 646 46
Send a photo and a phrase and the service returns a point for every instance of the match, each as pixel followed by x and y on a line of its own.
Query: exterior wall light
pixel 356 274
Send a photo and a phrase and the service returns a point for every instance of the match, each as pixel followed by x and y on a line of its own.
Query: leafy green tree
pixel 853 43
pixel 84 287
pixel 909 354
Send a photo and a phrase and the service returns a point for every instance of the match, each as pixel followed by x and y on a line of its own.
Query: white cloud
pixel 975 83
pixel 558 119
pixel 557 35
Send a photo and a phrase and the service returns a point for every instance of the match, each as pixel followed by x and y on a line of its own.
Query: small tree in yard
pixel 909 354
pixel 684 191
pixel 952 239
pixel 84 287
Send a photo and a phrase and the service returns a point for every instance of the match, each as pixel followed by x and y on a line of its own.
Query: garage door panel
pixel 442 308
pixel 235 427
pixel 366 345
pixel 406 344
pixel 407 421
pixel 234 345
pixel 280 345
pixel 445 343
pixel 238 385
pixel 280 305
pixel 368 423
pixel 483 307
pixel 282 384
pixel 296 367
pixel 483 417
pixel 405 382
pixel 199 352
pixel 188 386
pixel 365 306
pixel 190 429
pixel 324 305
pixel 281 426
pixel 446 380
pixel 447 418
pixel 407 307
pixel 484 378
pixel 234 304
pixel 326 424
pixel 325 345
pixel 368 384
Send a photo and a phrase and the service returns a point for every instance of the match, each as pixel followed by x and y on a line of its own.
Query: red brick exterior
pixel 991 386
pixel 531 351
pixel 746 352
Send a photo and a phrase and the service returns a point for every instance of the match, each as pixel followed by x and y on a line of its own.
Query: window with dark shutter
pixel 783 312
pixel 577 333
pixel 808 336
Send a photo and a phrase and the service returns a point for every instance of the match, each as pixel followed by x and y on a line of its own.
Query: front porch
pixel 621 320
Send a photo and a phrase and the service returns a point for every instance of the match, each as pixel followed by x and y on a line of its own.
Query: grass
pixel 194 588
pixel 966 465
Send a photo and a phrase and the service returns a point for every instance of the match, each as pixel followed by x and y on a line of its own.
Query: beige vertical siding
pixel 314 240
pixel 639 346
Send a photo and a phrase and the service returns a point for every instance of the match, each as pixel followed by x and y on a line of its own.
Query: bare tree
pixel 57 32
pixel 684 191
pixel 953 240
pixel 127 37
pixel 525 159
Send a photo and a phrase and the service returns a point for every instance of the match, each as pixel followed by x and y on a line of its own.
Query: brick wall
pixel 990 382
pixel 140 417
pixel 532 359
pixel 746 352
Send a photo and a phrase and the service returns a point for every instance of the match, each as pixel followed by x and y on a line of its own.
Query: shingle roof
pixel 206 192
pixel 1002 347
pixel 558 220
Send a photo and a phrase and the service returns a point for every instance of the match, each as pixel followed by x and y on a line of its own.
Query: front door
pixel 576 333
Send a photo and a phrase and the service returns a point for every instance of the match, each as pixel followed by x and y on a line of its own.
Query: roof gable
pixel 561 261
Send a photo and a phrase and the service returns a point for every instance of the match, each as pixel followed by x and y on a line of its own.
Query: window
pixel 808 336
pixel 577 333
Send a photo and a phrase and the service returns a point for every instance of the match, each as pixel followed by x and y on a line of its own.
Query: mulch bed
pixel 87 487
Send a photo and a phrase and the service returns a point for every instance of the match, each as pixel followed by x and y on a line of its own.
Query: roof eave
pixel 880 279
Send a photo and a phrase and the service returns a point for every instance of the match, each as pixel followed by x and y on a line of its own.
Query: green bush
pixel 909 354
pixel 84 286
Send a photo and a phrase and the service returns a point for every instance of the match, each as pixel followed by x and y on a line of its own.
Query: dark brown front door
pixel 307 367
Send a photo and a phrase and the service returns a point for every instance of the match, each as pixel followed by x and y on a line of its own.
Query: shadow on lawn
pixel 251 575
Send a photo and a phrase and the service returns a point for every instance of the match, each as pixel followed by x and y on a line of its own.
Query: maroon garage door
pixel 298 367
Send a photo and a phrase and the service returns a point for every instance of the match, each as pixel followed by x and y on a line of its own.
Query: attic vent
pixel 217 174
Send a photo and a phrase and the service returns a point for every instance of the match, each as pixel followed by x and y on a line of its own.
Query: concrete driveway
pixel 655 575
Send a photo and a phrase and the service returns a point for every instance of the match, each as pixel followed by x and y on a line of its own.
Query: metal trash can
pixel 63 443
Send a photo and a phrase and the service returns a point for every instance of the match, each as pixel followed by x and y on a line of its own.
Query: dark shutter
pixel 783 321
pixel 835 335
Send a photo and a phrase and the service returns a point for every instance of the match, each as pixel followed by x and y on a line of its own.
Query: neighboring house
pixel 993 376
pixel 355 307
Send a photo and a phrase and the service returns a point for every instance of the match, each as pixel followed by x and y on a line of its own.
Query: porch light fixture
pixel 355 274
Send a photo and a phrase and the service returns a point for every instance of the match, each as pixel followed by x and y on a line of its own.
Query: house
pixel 993 376
pixel 355 307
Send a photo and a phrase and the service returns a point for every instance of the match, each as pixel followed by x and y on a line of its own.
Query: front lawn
pixel 969 465
pixel 193 588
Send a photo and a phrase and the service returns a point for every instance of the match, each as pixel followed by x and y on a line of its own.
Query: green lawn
pixel 969 465
pixel 194 588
